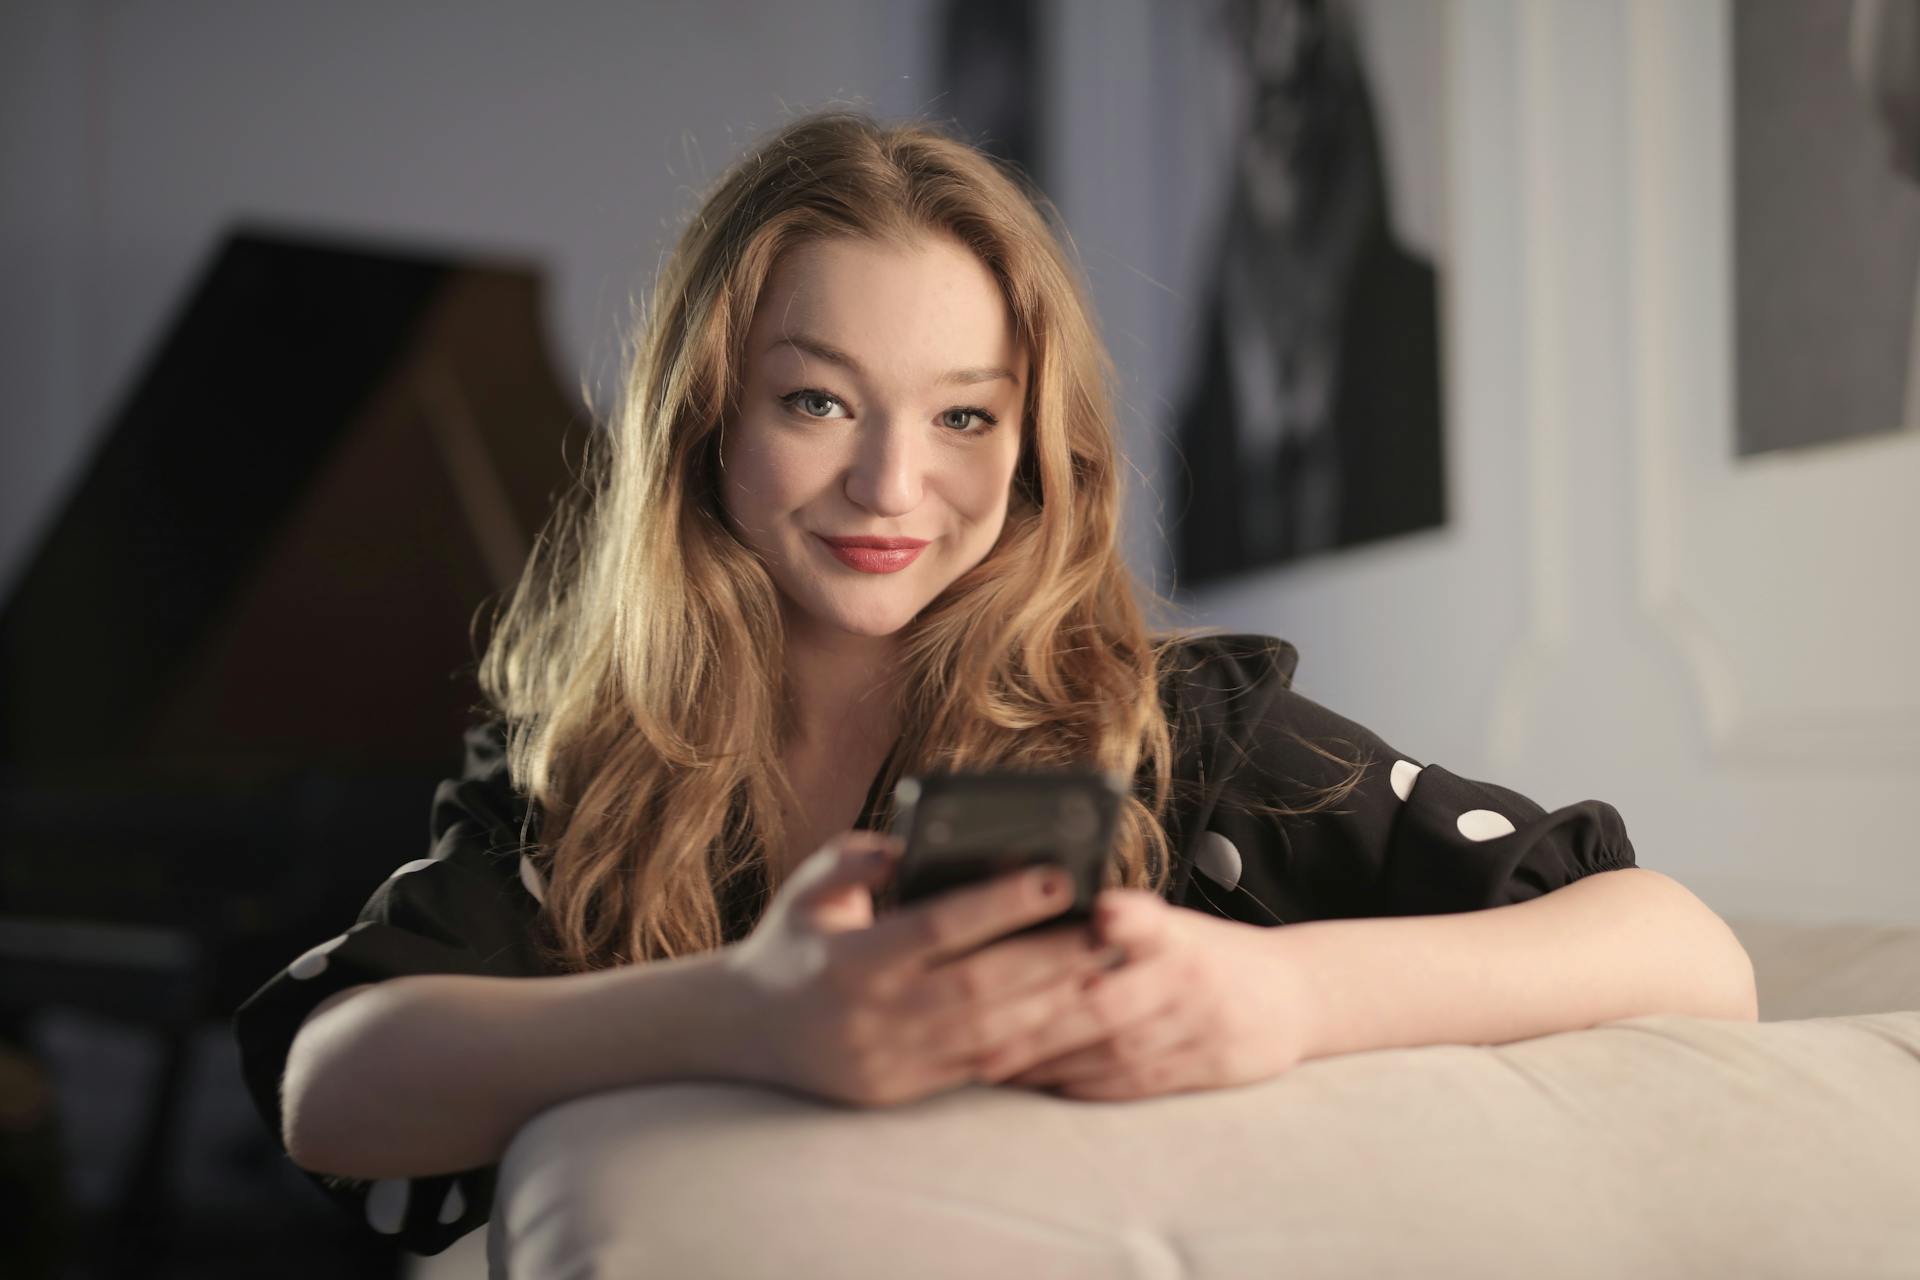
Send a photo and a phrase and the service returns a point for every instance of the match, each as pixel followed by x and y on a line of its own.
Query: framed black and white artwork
pixel 1309 414
pixel 1826 221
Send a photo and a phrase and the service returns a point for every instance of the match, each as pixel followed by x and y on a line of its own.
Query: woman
pixel 705 687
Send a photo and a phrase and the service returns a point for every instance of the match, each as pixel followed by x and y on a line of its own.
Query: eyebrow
pixel 833 355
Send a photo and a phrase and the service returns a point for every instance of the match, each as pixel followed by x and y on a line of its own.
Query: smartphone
pixel 963 828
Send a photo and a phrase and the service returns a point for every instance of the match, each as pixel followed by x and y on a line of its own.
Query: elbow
pixel 317 1093
pixel 304 1129
pixel 1735 995
pixel 322 1140
pixel 1739 995
pixel 1745 1000
pixel 1709 971
pixel 304 1146
pixel 303 1151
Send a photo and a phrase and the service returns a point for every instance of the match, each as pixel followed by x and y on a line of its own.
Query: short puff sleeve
pixel 1411 838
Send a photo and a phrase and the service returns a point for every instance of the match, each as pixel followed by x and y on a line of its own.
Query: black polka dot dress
pixel 1410 839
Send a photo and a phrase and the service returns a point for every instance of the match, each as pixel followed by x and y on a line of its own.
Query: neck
pixel 842 689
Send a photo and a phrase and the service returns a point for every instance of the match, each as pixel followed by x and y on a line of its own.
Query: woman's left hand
pixel 1200 1003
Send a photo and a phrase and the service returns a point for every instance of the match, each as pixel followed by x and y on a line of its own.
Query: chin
pixel 874 623
pixel 873 618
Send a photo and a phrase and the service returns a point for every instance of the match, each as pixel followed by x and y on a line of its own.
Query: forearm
pixel 436 1073
pixel 1614 945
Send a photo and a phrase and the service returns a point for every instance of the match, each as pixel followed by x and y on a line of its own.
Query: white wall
pixel 1617 610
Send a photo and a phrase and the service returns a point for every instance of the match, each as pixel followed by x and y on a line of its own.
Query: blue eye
pixel 987 421
pixel 807 400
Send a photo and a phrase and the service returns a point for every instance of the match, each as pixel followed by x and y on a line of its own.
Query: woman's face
pixel 881 398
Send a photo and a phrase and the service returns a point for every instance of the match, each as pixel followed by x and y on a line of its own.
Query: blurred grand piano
pixel 244 650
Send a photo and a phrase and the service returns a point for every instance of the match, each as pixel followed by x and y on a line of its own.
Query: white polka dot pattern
pixel 387 1205
pixel 418 864
pixel 1404 772
pixel 454 1207
pixel 532 880
pixel 313 962
pixel 1483 824
pixel 1216 855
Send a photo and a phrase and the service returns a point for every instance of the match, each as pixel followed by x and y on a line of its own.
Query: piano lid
pixel 336 454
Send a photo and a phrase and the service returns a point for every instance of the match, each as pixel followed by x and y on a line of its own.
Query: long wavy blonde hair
pixel 639 663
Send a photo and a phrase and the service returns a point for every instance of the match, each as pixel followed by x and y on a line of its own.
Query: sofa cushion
pixel 1654 1146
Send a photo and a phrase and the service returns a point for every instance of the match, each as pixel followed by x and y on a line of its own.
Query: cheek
pixel 983 492
pixel 765 473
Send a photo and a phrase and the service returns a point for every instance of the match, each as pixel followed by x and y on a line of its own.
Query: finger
pixel 1134 919
pixel 908 942
pixel 1124 998
pixel 1143 1042
pixel 913 1079
pixel 1006 968
pixel 1184 1069
pixel 854 858
pixel 965 1037
pixel 972 1027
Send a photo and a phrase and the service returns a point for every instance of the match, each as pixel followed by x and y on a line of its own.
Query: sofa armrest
pixel 1654 1146
pixel 1818 970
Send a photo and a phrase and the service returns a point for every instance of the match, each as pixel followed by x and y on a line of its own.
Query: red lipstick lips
pixel 874 555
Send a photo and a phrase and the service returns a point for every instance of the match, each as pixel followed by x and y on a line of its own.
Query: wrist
pixel 1303 994
pixel 687 1018
pixel 731 1045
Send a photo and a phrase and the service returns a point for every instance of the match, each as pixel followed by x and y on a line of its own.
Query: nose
pixel 885 475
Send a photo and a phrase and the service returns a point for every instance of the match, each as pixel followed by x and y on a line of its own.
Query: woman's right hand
pixel 876 1013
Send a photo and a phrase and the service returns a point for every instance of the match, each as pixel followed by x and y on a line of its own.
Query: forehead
pixel 925 304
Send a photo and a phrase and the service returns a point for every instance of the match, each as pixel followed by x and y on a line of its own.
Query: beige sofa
pixel 1656 1146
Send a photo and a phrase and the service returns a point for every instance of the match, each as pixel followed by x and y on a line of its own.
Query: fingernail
pixel 1050 883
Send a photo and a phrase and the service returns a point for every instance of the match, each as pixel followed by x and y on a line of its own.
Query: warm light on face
pixel 881 398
